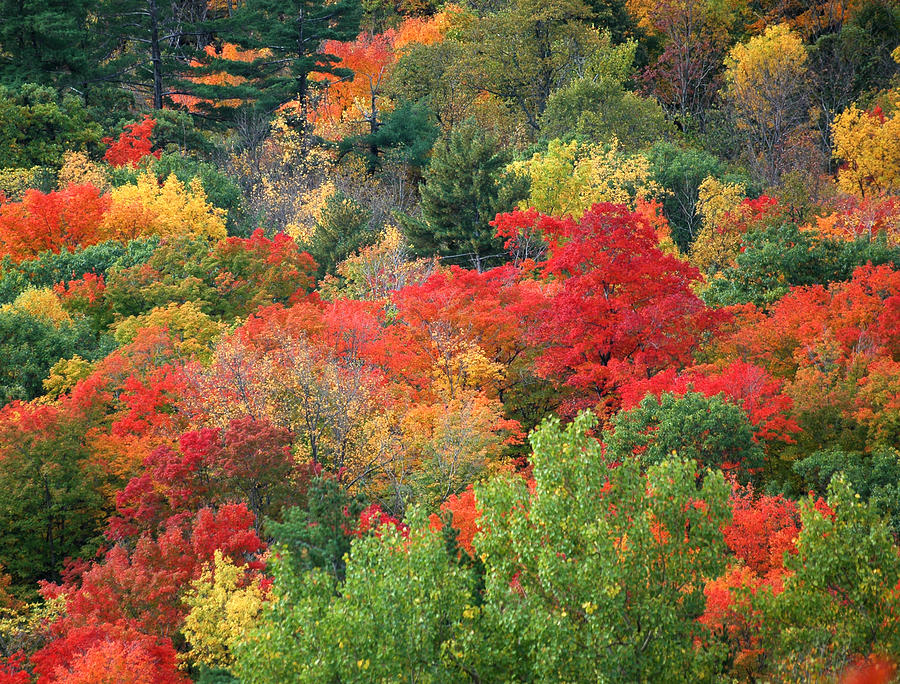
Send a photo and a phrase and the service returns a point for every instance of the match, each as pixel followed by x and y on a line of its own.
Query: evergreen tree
pixel 343 227
pixel 466 186
pixel 44 41
pixel 288 36
pixel 147 45
pixel 406 135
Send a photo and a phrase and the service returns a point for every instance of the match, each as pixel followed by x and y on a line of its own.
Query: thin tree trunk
pixel 156 55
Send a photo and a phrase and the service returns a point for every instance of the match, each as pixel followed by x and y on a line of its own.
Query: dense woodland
pixel 508 340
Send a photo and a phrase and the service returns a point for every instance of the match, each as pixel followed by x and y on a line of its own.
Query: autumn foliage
pixel 133 145
pixel 394 341
pixel 57 220
pixel 622 308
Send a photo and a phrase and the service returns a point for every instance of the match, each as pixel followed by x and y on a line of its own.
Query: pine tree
pixel 43 41
pixel 148 44
pixel 288 37
pixel 466 186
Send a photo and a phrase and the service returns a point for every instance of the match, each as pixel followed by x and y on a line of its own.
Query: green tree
pixel 402 601
pixel 405 136
pixel 30 346
pixel 775 258
pixel 178 133
pixel 597 575
pixel 603 111
pixel 613 16
pixel 318 536
pixel 840 599
pixel 880 21
pixel 466 185
pixel 526 50
pixel 147 44
pixel 288 35
pixel 37 126
pixel 427 74
pixel 841 65
pixel 343 227
pixel 44 42
pixel 51 506
pixel 709 430
pixel 50 268
pixel 680 171
pixel 597 106
pixel 379 611
pixel 875 477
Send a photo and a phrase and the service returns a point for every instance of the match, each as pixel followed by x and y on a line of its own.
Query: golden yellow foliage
pixel 449 443
pixel 764 71
pixel 78 169
pixel 465 367
pixel 43 304
pixel 716 198
pixel 168 210
pixel 766 84
pixel 65 374
pixel 224 603
pixel 716 246
pixel 14 182
pixel 569 177
pixel 224 5
pixel 869 145
pixel 285 139
pixel 192 331
pixel 441 440
pixel 25 626
pixel 377 270
pixel 307 211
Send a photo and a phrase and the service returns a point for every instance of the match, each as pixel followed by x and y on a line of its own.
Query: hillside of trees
pixel 498 341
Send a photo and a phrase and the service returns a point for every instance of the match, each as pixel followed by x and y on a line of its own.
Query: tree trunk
pixel 374 152
pixel 155 55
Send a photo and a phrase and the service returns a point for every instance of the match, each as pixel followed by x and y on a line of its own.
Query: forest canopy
pixel 480 341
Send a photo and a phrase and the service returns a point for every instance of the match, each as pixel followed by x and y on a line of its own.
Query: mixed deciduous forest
pixel 499 341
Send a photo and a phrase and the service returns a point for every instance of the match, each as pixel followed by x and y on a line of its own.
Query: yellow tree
pixel 168 210
pixel 869 145
pixel 766 81
pixel 324 401
pixel 192 331
pixel 438 441
pixel 718 243
pixel 224 604
pixel 569 177
pixel 43 304
pixel 64 375
pixel 78 168
pixel 375 271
